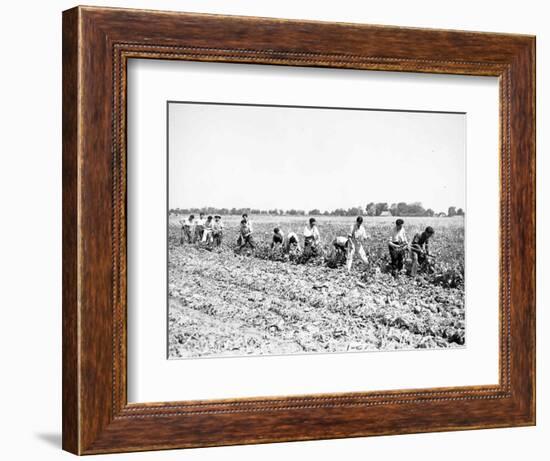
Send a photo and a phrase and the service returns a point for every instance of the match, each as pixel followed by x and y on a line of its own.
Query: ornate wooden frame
pixel 97 43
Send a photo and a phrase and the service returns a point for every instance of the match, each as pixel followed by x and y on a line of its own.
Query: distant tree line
pixel 408 209
pixel 371 209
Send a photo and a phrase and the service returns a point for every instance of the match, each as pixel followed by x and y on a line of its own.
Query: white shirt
pixel 217 225
pixel 200 222
pixel 341 241
pixel 312 232
pixel 398 236
pixel 358 233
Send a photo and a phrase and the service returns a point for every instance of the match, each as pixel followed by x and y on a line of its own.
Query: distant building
pixel 385 213
pixel 441 215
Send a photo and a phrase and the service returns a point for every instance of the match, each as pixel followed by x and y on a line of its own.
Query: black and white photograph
pixel 275 230
pixel 300 230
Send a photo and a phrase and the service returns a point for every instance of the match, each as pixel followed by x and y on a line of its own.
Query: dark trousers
pixel 311 249
pixel 217 237
pixel 186 235
pixel 246 240
pixel 199 231
pixel 397 256
pixel 419 256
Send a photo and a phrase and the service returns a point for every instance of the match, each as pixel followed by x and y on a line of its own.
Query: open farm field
pixel 222 303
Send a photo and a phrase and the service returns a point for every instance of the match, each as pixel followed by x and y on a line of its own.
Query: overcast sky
pixel 278 157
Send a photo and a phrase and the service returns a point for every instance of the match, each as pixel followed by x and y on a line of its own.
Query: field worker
pixel 245 235
pixel 187 229
pixel 312 240
pixel 217 230
pixel 341 245
pixel 249 224
pixel 357 237
pixel 292 242
pixel 398 245
pixel 199 227
pixel 245 217
pixel 278 238
pixel 207 231
pixel 420 249
pixel 312 237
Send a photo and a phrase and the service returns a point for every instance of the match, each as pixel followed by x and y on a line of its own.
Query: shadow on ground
pixel 51 438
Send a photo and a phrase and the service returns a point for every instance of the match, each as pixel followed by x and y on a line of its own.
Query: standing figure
pixel 187 229
pixel 398 245
pixel 217 231
pixel 249 224
pixel 357 237
pixel 199 228
pixel 312 238
pixel 245 235
pixel 207 231
pixel 420 251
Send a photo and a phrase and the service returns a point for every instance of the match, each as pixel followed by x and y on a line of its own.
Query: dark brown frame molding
pixel 97 43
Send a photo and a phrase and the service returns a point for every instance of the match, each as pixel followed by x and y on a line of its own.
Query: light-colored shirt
pixel 188 222
pixel 358 233
pixel 217 226
pixel 200 222
pixel 312 232
pixel 398 236
pixel 341 241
